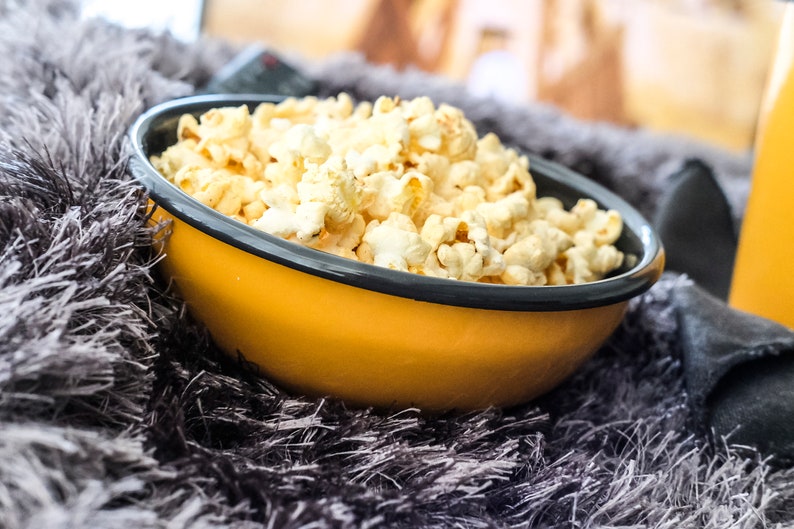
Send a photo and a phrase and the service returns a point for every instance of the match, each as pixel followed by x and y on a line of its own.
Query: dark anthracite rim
pixel 154 126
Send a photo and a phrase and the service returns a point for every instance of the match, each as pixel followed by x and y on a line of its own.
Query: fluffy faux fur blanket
pixel 116 411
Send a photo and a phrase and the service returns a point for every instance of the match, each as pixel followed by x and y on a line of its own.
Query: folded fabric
pixel 695 225
pixel 739 373
pixel 738 368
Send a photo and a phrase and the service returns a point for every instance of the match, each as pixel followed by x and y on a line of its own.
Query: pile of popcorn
pixel 401 184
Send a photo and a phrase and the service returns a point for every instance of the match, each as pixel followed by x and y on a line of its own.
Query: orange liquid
pixel 763 280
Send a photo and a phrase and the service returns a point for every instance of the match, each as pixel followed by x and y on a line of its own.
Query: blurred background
pixel 692 67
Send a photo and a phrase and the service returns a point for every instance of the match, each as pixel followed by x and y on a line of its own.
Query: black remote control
pixel 257 70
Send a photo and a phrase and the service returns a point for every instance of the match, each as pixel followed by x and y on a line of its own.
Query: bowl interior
pixel 155 130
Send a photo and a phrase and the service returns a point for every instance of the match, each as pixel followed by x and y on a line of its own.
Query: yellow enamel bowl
pixel 321 325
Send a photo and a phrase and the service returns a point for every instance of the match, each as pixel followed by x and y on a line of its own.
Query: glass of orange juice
pixel 763 279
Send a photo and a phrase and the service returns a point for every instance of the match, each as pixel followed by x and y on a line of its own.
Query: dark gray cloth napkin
pixel 739 373
pixel 738 367
pixel 695 224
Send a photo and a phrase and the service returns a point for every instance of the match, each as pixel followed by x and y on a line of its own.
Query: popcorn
pixel 388 192
pixel 394 243
pixel 501 215
pixel 217 188
pixel 462 247
pixel 402 184
pixel 332 185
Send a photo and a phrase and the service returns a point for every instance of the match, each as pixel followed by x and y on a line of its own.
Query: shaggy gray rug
pixel 116 410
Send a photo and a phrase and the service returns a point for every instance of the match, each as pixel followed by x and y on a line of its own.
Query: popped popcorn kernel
pixel 331 184
pixel 402 184
pixel 395 243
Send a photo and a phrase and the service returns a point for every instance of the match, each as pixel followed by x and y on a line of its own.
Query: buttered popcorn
pixel 406 185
